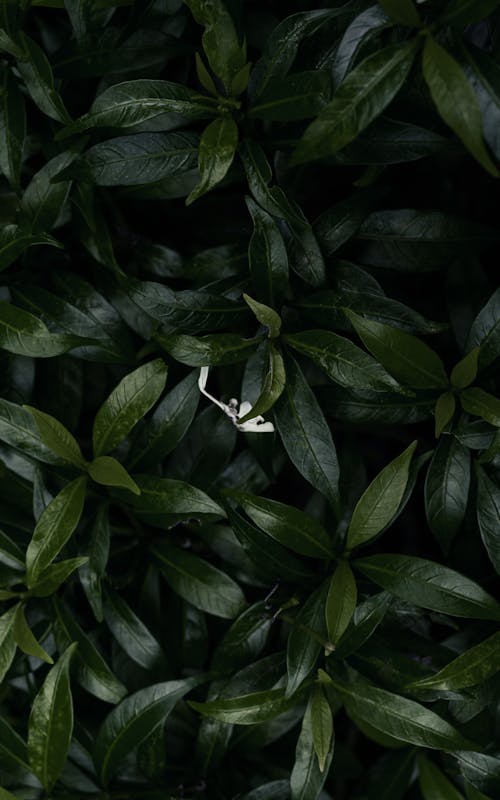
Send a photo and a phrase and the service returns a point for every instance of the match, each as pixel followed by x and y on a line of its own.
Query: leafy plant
pixel 249 400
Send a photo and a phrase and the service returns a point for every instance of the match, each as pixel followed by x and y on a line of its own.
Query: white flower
pixel 235 410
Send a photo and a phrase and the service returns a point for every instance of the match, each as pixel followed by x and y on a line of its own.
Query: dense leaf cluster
pixel 249 399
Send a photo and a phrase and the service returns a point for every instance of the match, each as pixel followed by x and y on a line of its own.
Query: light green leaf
pixel 470 668
pixel 407 358
pixel 362 96
pixel 265 315
pixel 57 437
pixel 109 472
pixel 308 774
pixel 322 725
pixel 225 54
pixel 26 335
pixel 429 585
pixel 248 709
pixel 464 373
pixel 380 501
pixel 24 638
pixel 164 502
pixel 340 602
pixel 216 152
pixel 54 528
pixel 51 723
pixel 455 100
pixel 127 404
pixel 481 404
pixel 54 575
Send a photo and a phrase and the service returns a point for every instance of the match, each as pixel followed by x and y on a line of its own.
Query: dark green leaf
pixel 18 429
pixel 429 585
pixel 109 472
pixel 307 638
pixel 297 96
pixel 213 350
pixel 43 201
pixel 37 74
pixel 7 643
pixel 465 12
pixel 464 373
pixel 54 528
pixel 14 240
pixel 308 773
pixel 471 667
pixel 26 335
pixel 51 723
pixel 447 490
pixel 131 633
pixel 306 436
pixel 397 716
pixel 367 617
pixel 25 639
pixel 127 404
pixel 362 96
pixel 402 11
pixel 488 514
pixel 443 412
pixel 12 127
pixel 340 602
pixel 247 709
pixel 485 331
pixel 272 387
pixel 133 720
pixel 322 726
pixel 265 315
pixel 57 437
pixel 165 502
pixel 344 362
pixel 455 100
pixel 97 549
pixel 225 54
pixel 55 574
pixel 216 151
pixel 433 783
pixel 198 582
pixel 482 770
pixel 267 257
pixel 286 524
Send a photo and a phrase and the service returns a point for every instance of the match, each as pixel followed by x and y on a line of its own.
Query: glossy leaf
pixel 362 96
pixel 481 404
pixel 471 667
pixel 247 709
pixel 488 512
pixel 455 100
pixel 51 723
pixel 57 437
pixel 12 128
pixel 25 639
pixel 306 639
pixel 7 641
pixel 267 257
pixel 447 490
pixel 308 773
pixel 340 602
pixel 380 501
pixel 109 472
pixel 215 155
pixel 194 579
pixel 429 585
pixel 54 528
pixel 127 404
pixel 433 783
pixel 130 632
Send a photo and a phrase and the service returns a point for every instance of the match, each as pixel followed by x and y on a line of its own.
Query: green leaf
pixel 362 96
pixel 164 502
pixel 322 726
pixel 429 585
pixel 306 436
pixel 97 548
pixel 406 358
pixel 132 721
pixel 109 472
pixel 433 783
pixel 267 257
pixel 294 97
pixel 443 412
pixel 24 638
pixel 5 795
pixel 447 490
pixel 225 54
pixel 14 240
pixel 198 582
pixel 306 639
pixel 485 331
pixel 380 501
pixel 245 639
pixel 7 643
pixel 91 670
pixel 18 429
pixel 397 716
pixel 57 437
pixel 470 668
pixel 272 562
pixel 272 386
pixel 131 633
pixel 26 335
pixel 488 514
pixel 216 152
pixel 13 750
pixel 54 575
pixel 138 159
pixel 481 404
pixel 127 404
pixel 37 74
pixel 54 528
pixel 340 602
pixel 289 526
pixel 212 350
pixel 43 201
pixel 402 11
pixel 51 723
pixel 343 362
pixel 12 127
pixel 265 315
pixel 464 373
pixel 359 31
pixel 482 770
pixel 455 100
pixel 248 709
pixel 309 772
pixel 367 617
pixel 155 105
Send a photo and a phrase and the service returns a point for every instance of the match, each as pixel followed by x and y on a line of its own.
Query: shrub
pixel 250 459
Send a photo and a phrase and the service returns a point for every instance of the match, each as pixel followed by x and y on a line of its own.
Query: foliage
pixel 296 596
